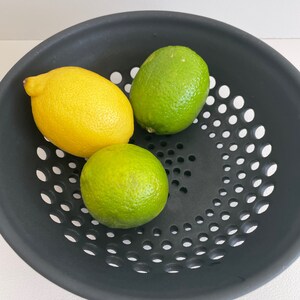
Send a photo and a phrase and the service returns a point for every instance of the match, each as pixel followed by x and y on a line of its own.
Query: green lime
pixel 124 186
pixel 169 90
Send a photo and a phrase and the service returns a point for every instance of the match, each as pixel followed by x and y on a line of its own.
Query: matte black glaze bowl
pixel 232 221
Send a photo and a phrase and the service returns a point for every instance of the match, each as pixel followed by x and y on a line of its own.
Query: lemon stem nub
pixel 34 85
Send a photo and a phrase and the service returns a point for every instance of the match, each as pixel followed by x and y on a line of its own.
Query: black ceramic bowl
pixel 232 221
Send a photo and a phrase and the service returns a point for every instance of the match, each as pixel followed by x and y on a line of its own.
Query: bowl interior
pixel 232 217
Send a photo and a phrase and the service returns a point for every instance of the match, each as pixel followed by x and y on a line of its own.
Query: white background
pixel 24 23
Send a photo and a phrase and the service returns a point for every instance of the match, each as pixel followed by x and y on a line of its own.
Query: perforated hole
pixel 187 242
pixel 224 91
pixel 212 82
pixel 194 263
pixel 222 192
pixel 233 147
pixel 180 256
pixel 173 268
pixel 77 223
pixel 91 236
pixel 226 134
pixel 259 132
pixel 84 210
pixel 127 87
pixel 254 165
pixel 203 237
pixel 147 245
pixel 237 241
pixel 166 245
pixel 238 188
pixel 256 182
pixel 232 120
pixel 232 230
pixel 233 202
pixel 110 234
pixel 199 220
pixel 217 202
pixel 55 218
pixel 157 258
pixel 187 226
pixel 206 114
pixel 209 212
pixel 114 261
pixel 226 180
pixel 227 168
pixel 217 123
pixel 266 150
pixel 250 148
pixel 241 175
pixel 42 153
pixel 77 195
pixel 65 207
pixel 249 115
pixel 244 215
pixel 238 102
pixel 58 188
pixel 47 198
pixel 126 240
pixel 71 236
pixel 271 169
pixel 222 108
pixel 214 227
pixel 56 170
pixel 111 249
pixel 250 198
pixel 156 232
pixel 210 100
pixel 132 256
pixel 261 207
pixel 200 251
pixel 267 190
pixel 72 179
pixel 249 227
pixel 225 156
pixel 240 161
pixel 41 175
pixel 187 173
pixel 59 153
pixel 174 229
pixel 243 133
pixel 217 254
pixel 225 216
pixel 219 145
pixel 134 71
pixel 72 165
pixel 116 77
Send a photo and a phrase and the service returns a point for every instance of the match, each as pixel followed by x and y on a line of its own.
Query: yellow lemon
pixel 79 111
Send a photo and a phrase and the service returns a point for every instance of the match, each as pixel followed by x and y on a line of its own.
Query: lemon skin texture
pixel 78 110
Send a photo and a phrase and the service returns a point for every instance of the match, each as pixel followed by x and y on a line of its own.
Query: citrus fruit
pixel 124 186
pixel 78 110
pixel 169 90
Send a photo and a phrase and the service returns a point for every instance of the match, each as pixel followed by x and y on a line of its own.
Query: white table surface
pixel 20 281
